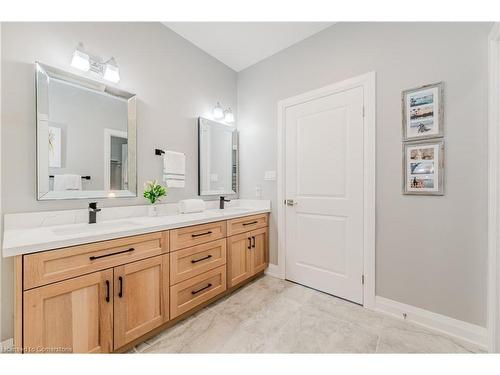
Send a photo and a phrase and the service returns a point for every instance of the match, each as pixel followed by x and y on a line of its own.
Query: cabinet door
pixel 70 316
pixel 238 262
pixel 141 298
pixel 259 250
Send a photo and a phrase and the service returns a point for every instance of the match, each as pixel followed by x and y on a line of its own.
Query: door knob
pixel 290 202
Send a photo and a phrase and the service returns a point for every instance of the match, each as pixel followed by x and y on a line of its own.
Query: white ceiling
pixel 241 44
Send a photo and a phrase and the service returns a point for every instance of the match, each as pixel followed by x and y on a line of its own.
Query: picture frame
pixel 423 167
pixel 423 112
pixel 54 147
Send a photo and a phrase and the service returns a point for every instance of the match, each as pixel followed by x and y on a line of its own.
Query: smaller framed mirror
pixel 217 158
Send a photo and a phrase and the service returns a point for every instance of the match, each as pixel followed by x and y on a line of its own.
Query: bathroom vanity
pixel 107 296
pixel 87 287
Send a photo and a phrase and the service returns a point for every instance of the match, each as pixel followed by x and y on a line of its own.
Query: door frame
pixel 493 298
pixel 367 82
pixel 108 133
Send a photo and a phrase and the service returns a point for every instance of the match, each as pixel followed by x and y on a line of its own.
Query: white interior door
pixel 324 180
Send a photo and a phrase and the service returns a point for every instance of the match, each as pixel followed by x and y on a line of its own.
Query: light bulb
pixel 111 71
pixel 228 116
pixel 218 112
pixel 80 60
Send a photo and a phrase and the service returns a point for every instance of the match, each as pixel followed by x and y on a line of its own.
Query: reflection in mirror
pixel 85 137
pixel 218 158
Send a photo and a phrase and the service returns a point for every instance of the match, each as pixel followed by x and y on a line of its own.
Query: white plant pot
pixel 153 210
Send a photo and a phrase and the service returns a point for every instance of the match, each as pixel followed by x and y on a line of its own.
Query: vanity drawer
pixel 197 234
pixel 193 261
pixel 55 265
pixel 193 292
pixel 245 224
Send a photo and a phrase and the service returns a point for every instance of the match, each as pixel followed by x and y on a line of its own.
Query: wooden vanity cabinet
pixel 188 294
pixel 107 296
pixel 259 257
pixel 140 298
pixel 50 266
pixel 75 315
pixel 99 312
pixel 239 263
pixel 247 255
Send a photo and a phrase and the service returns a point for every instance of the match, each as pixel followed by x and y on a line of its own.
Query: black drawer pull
pixel 108 255
pixel 201 234
pixel 199 290
pixel 199 260
pixel 253 238
pixel 120 292
pixel 249 243
pixel 250 223
pixel 107 290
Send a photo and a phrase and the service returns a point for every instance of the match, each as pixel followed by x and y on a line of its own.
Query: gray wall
pixel 175 82
pixel 430 251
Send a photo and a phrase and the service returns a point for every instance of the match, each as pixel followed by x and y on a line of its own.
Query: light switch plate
pixel 270 175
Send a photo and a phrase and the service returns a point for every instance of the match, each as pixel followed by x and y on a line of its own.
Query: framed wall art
pixel 423 112
pixel 54 147
pixel 423 167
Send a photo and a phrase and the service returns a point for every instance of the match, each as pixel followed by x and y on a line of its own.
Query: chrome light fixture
pixel 228 116
pixel 111 71
pixel 107 70
pixel 80 60
pixel 218 112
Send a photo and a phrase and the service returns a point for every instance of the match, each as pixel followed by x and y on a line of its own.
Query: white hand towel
pixel 188 206
pixel 174 169
pixel 174 183
pixel 67 182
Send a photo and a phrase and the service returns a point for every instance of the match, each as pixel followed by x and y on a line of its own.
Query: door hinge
pixel 363 111
pixel 363 279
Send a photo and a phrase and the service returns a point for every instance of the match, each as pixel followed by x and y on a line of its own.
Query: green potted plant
pixel 153 192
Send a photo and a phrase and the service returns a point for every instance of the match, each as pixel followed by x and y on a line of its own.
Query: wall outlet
pixel 258 192
pixel 270 176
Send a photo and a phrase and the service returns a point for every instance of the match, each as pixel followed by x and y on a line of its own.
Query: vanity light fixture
pixel 107 70
pixel 80 60
pixel 218 112
pixel 111 71
pixel 228 116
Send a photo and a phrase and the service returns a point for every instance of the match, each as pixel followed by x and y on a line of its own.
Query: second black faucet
pixel 221 202
pixel 93 210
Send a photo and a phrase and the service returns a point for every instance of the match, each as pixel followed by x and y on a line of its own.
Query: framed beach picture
pixel 423 113
pixel 423 167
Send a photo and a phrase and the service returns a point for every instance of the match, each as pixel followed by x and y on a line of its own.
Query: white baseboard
pixel 7 346
pixel 453 327
pixel 274 271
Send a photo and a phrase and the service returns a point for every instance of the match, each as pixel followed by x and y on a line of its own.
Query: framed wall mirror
pixel 86 137
pixel 217 158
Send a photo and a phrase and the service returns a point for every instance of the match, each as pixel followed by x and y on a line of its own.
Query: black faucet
pixel 221 202
pixel 93 210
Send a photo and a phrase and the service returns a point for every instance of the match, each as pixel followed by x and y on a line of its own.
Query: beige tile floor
pixel 276 316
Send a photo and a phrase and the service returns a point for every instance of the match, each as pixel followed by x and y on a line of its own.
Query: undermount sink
pixel 86 228
pixel 228 209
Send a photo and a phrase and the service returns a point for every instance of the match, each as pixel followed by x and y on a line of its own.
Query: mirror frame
pixel 236 161
pixel 101 87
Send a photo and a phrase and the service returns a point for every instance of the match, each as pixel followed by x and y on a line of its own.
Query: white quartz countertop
pixel 26 240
